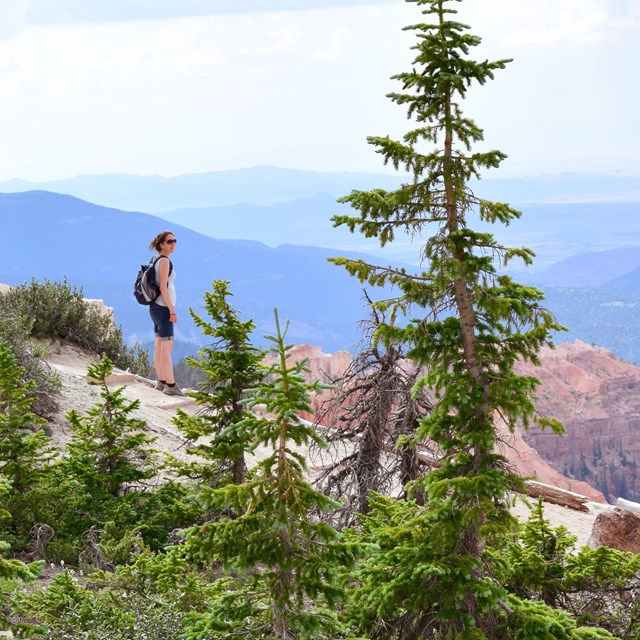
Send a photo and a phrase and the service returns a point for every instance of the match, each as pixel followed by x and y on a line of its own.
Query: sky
pixel 170 87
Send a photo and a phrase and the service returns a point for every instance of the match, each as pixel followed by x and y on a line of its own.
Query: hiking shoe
pixel 173 391
pixel 160 385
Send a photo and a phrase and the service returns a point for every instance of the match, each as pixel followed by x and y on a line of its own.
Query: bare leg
pixel 162 361
pixel 166 366
pixel 157 365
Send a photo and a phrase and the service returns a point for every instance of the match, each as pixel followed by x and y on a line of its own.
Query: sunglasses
pixel 171 241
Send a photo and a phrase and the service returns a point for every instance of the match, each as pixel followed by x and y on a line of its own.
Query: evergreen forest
pixel 377 544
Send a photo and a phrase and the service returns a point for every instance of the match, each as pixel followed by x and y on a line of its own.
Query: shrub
pixel 598 588
pixel 68 610
pixel 57 310
pixel 145 600
pixel 61 501
pixel 110 450
pixel 11 570
pixel 15 334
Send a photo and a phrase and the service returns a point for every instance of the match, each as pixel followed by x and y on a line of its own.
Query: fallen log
pixel 555 495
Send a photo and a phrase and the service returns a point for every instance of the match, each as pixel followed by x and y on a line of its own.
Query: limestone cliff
pixel 595 395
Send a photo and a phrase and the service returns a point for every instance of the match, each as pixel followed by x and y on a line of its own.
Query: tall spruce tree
pixel 470 324
pixel 282 563
pixel 221 432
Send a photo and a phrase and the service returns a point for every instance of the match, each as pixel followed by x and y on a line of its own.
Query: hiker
pixel 163 313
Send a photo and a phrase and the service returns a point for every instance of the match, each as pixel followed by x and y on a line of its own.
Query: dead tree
pixel 369 422
pixel 41 534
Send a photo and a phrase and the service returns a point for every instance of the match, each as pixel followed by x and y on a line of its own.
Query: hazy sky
pixel 179 86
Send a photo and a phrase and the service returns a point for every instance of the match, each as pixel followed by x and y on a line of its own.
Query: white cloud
pixel 44 12
pixel 519 23
pixel 193 94
pixel 582 23
pixel 297 36
pixel 12 14
pixel 305 88
pixel 284 34
pixel 337 46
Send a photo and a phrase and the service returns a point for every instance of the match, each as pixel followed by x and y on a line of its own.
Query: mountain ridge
pixel 100 249
pixel 152 194
pixel 268 184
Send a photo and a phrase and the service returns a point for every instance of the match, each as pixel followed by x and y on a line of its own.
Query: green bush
pixel 597 590
pixel 61 501
pixel 68 610
pixel 12 571
pixel 25 450
pixel 15 334
pixel 145 600
pixel 58 310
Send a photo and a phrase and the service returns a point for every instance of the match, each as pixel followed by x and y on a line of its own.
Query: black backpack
pixel 145 289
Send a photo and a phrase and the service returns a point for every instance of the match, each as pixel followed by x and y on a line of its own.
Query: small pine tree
pixel 110 447
pixel 25 449
pixel 11 569
pixel 286 561
pixel 221 431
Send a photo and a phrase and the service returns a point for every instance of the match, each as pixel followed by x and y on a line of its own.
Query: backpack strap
pixel 156 258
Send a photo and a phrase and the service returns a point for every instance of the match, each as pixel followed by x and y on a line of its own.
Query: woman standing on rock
pixel 163 313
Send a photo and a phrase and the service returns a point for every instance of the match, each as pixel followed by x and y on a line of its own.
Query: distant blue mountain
pixel 587 262
pixel 564 215
pixel 605 317
pixel 100 249
pixel 301 221
pixel 258 185
pixel 294 222
pixel 596 295
pixel 553 231
pixel 558 231
pixel 563 188
pixel 268 185
pixel 628 282
pixel 609 269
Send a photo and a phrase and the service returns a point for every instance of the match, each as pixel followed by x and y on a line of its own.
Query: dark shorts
pixel 162 327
